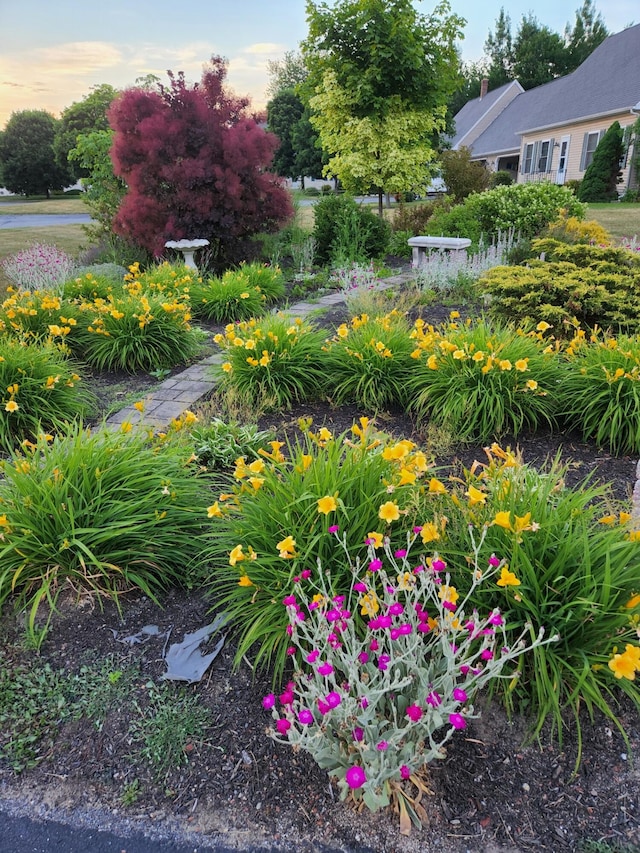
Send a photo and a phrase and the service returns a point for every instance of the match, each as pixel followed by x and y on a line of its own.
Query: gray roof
pixel 608 81
pixel 474 111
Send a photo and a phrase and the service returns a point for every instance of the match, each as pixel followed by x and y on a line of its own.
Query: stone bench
pixel 421 246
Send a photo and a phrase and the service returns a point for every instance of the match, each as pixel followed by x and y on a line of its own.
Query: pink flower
pixel 374 645
pixel 401 552
pixel 333 615
pixel 305 716
pixel 383 662
pixel 457 721
pixel 382 745
pixel 364 702
pixel 459 694
pixel 449 605
pixel 494 561
pixel 358 734
pixel 355 777
pixel 486 654
pixel 434 699
pixel 269 701
pixel 334 528
pixel 360 587
pixel 305 574
pixel 384 621
pixel 417 529
pixel 323 707
pixel 333 699
pixel 313 656
pixel 325 669
pixel 283 726
pixel 291 650
pixel 363 657
pixel 375 565
pixel 396 608
pixel 414 712
pixel 438 565
pixel 405 772
pixel 465 668
pixel 496 618
pixel 289 601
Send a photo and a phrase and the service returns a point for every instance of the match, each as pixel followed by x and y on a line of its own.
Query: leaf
pixel 184 660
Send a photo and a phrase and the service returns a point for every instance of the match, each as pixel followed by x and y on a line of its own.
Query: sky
pixel 53 51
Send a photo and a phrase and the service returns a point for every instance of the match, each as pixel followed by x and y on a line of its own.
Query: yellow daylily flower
pixel 327 504
pixel 389 512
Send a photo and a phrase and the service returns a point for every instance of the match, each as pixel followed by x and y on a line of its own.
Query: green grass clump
pixel 39 390
pixel 274 523
pixel 273 362
pixel 600 390
pixel 481 381
pixel 369 361
pixel 99 511
pixel 228 299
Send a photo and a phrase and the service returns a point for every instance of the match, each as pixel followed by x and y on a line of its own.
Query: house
pixel 551 132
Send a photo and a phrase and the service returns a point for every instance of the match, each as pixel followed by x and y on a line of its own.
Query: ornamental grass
pixel 571 565
pixel 40 390
pixel 273 523
pixel 272 362
pixel 95 512
pixel 369 361
pixel 229 299
pixel 600 390
pixel 481 380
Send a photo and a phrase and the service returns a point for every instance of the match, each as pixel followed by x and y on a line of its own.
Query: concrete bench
pixel 421 246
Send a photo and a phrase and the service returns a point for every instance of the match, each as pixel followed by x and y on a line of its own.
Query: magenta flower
pixel 305 716
pixel 382 745
pixel 363 657
pixel 465 669
pixel 364 702
pixel 323 707
pixel 383 662
pixel 486 654
pixel 417 529
pixel 313 656
pixel 414 712
pixel 434 699
pixel 449 605
pixel 306 573
pixel 333 615
pixel 333 699
pixel 401 552
pixel 291 650
pixel 333 528
pixel 459 694
pixel 287 697
pixel 457 721
pixel 374 645
pixel 405 629
pixel 384 621
pixel 289 601
pixel 283 726
pixel 494 561
pixel 360 587
pixel 405 772
pixel 269 701
pixel 325 669
pixel 375 565
pixel 396 608
pixel 355 777
pixel 358 734
pixel 438 565
pixel 496 618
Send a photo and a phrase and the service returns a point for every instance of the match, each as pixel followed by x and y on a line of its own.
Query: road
pixel 42 220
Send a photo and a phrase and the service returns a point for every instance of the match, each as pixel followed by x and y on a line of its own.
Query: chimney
pixel 484 87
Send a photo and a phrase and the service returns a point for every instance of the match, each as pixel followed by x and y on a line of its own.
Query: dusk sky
pixel 53 51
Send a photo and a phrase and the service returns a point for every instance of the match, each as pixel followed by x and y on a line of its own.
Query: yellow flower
pixel 369 604
pixel 634 601
pixel 475 496
pixel 236 555
pixel 503 519
pixel 625 665
pixel 436 487
pixel 256 467
pixel 324 434
pixel 448 593
pixel 375 539
pixel 126 427
pixel 406 477
pixel 227 367
pixel 432 362
pixel 504 364
pixel 542 326
pixel 429 532
pixel 11 406
pixel 478 356
pixel 214 511
pixel 406 581
pixel 607 519
pixel 245 581
pixel 389 512
pixel 459 354
pixel 625 517
pixel 531 384
pixel 522 364
pixel 286 547
pixel 256 482
pixel 139 405
pixel 327 504
pixel 507 578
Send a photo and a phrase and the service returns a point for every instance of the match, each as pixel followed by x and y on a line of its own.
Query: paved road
pixel 42 220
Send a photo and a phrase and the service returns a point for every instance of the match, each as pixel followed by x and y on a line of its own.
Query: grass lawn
pixel 16 205
pixel 70 238
pixel 620 220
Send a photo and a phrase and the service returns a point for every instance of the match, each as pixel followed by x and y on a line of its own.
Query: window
pixel 544 156
pixel 537 156
pixel 589 145
pixel 527 160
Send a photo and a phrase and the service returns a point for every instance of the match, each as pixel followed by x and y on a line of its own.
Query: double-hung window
pixel 589 145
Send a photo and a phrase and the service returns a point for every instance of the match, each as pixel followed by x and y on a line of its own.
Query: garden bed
pixel 236 786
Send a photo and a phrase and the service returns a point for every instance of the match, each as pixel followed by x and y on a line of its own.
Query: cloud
pixel 269 48
pixel 78 57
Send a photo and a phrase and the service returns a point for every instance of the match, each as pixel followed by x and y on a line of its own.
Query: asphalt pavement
pixel 42 220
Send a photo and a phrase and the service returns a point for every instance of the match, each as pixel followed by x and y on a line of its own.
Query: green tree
pixel 85 116
pixel 28 161
pixel 499 49
pixel 286 73
pixel 310 156
pixel 284 111
pixel 461 175
pixel 538 54
pixel 583 38
pixel 603 173
pixel 380 75
pixel 104 191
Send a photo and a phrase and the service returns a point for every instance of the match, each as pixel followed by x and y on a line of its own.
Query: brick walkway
pixel 182 391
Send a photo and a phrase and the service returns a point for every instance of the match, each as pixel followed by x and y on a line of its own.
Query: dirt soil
pixel 493 792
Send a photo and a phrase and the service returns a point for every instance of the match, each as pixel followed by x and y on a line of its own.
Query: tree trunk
pixel 380 214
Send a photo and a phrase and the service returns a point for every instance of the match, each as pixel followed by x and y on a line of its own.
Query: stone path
pixel 182 391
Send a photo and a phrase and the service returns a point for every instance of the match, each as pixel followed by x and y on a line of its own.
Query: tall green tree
pixel 284 111
pixel 587 33
pixel 499 49
pixel 104 191
pixel 286 73
pixel 538 54
pixel 603 173
pixel 380 75
pixel 85 116
pixel 27 158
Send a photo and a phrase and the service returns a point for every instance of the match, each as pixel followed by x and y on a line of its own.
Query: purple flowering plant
pixel 39 267
pixel 375 699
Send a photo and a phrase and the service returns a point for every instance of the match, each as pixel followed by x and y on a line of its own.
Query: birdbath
pixel 188 249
